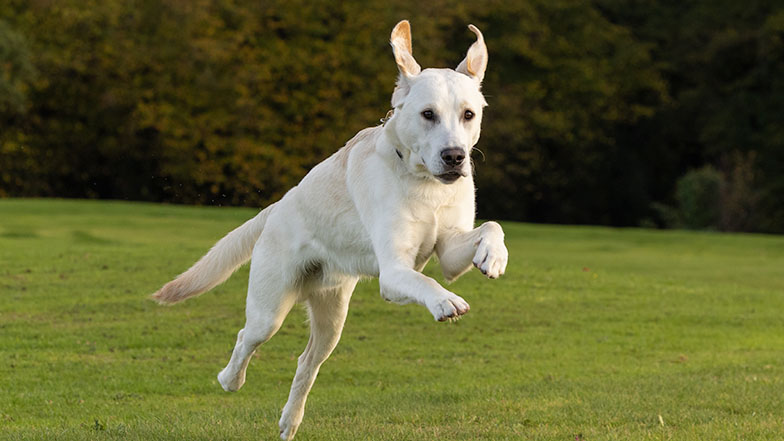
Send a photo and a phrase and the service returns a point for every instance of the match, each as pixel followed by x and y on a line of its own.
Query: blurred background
pixel 614 112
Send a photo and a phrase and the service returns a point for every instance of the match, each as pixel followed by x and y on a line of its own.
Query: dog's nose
pixel 453 156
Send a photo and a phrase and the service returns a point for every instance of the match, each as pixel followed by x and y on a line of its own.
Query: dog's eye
pixel 468 115
pixel 428 115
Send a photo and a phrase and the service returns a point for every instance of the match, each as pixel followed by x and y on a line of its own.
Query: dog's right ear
pixel 406 64
pixel 401 46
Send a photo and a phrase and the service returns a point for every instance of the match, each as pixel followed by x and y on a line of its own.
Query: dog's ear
pixel 401 46
pixel 406 64
pixel 475 61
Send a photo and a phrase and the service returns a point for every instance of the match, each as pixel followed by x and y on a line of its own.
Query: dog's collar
pixel 387 117
pixel 383 122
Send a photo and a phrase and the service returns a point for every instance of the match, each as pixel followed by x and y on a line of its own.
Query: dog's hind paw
pixel 229 383
pixel 449 308
pixel 287 430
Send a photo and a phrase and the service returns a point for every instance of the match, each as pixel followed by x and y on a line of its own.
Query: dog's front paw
pixel 449 308
pixel 491 255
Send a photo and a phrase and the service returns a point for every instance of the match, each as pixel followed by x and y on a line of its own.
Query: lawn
pixel 593 334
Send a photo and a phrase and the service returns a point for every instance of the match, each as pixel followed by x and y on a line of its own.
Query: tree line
pixel 616 112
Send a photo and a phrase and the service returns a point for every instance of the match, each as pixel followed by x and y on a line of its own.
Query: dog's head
pixel 437 112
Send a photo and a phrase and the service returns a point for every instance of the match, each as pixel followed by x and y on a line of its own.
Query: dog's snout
pixel 453 156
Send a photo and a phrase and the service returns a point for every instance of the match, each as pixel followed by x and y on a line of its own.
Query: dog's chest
pixel 425 251
pixel 425 230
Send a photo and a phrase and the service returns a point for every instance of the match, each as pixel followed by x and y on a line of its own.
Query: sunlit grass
pixel 594 333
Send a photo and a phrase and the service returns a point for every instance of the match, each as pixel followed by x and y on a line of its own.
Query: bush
pixel 698 194
pixel 709 199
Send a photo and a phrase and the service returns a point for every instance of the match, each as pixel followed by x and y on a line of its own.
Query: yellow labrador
pixel 379 207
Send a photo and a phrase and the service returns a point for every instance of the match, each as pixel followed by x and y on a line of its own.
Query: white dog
pixel 379 207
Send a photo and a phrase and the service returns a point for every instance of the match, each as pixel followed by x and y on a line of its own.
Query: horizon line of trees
pixel 614 112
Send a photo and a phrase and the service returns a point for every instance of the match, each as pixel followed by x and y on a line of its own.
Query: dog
pixel 381 206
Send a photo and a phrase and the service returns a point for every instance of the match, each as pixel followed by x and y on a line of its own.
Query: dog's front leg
pixel 402 284
pixel 483 247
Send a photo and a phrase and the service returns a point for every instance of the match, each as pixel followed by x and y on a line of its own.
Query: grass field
pixel 593 334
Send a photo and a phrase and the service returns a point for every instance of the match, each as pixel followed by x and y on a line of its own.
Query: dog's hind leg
pixel 270 298
pixel 327 310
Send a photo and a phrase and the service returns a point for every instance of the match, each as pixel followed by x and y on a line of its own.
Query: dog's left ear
pixel 475 61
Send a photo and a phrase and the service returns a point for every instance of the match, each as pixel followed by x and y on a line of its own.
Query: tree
pixel 16 74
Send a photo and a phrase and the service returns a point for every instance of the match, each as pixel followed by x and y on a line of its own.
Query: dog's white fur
pixel 380 206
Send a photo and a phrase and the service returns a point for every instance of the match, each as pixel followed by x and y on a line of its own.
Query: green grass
pixel 593 333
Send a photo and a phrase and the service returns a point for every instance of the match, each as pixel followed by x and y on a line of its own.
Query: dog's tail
pixel 218 264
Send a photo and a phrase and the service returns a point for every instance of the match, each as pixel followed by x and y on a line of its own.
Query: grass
pixel 593 334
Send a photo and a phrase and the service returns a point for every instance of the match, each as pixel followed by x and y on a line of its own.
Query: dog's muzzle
pixel 450 177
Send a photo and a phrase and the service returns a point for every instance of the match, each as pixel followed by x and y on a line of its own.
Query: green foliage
pixel 699 193
pixel 707 198
pixel 724 65
pixel 16 72
pixel 197 102
pixel 596 108
pixel 592 331
pixel 562 81
pixel 16 75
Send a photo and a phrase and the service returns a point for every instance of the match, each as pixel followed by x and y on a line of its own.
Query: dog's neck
pixel 383 122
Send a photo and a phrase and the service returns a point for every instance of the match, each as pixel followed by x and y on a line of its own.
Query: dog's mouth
pixel 450 176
